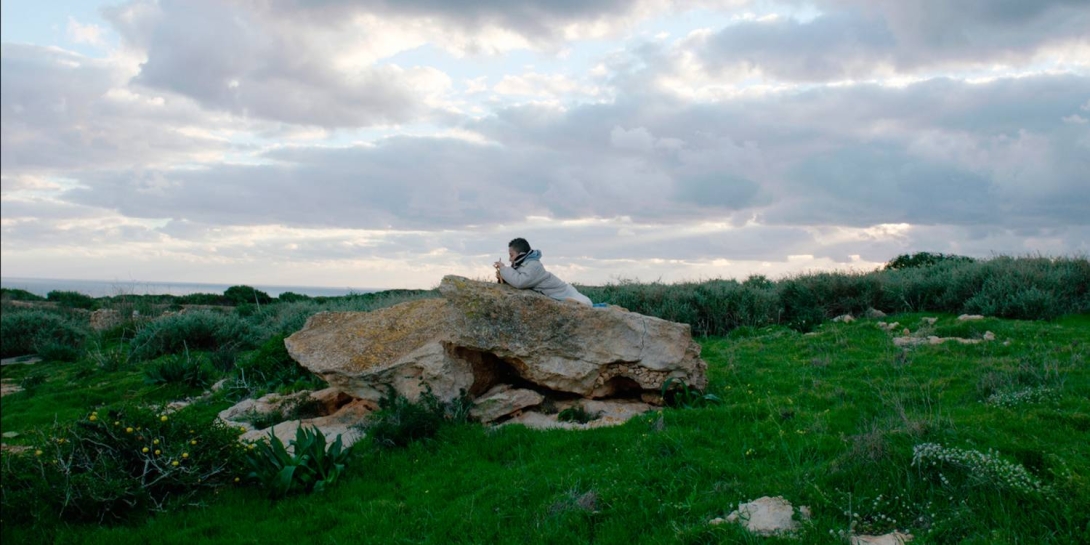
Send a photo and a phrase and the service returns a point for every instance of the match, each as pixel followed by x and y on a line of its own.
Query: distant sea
pixel 105 288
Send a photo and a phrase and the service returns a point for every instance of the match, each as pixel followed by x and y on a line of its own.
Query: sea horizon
pixel 107 288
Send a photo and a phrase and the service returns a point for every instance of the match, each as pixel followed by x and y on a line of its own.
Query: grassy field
pixel 829 420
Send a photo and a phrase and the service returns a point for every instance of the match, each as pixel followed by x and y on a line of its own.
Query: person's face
pixel 511 253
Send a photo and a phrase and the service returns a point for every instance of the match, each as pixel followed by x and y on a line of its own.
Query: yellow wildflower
pixel 185 455
pixel 155 442
pixel 144 450
pixel 158 452
pixel 39 453
pixel 174 463
pixel 163 418
pixel 128 430
pixel 93 418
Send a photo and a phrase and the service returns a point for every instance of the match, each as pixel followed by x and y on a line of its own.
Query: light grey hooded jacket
pixel 531 274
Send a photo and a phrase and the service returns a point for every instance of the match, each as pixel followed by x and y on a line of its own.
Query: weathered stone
pixel 342 423
pixel 361 353
pixel 874 313
pixel 969 317
pixel 766 516
pixel 989 336
pixel 929 320
pixel 104 318
pixel 892 538
pixel 8 387
pixel 481 334
pixel 610 412
pixel 503 400
pixel 844 318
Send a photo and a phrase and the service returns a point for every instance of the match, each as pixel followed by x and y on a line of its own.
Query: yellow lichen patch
pixel 375 338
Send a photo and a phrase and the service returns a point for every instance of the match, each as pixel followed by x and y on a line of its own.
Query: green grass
pixel 827 420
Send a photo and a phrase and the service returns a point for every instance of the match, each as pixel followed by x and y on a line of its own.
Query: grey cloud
pixel 59 115
pixel 258 63
pixel 853 38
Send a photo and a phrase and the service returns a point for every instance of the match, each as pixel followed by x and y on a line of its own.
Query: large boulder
pixel 482 334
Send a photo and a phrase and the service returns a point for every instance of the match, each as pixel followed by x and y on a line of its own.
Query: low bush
pixel 270 367
pixel 924 259
pixel 680 395
pixel 246 295
pixel 578 414
pixel 15 294
pixel 117 464
pixel 179 369
pixel 201 330
pixel 399 422
pixel 310 467
pixel 71 299
pixel 37 331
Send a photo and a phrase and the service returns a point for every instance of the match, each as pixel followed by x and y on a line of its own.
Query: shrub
pixel 46 333
pixel 15 294
pixel 680 395
pixel 976 468
pixel 576 413
pixel 310 467
pixel 271 367
pixel 71 299
pixel 116 464
pixel 179 369
pixel 291 297
pixel 213 299
pixel 924 259
pixel 399 422
pixel 246 295
pixel 201 330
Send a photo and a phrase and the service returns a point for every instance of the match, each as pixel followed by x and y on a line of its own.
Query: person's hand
pixel 498 265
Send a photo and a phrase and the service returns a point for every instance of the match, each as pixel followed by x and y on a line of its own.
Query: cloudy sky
pixel 386 143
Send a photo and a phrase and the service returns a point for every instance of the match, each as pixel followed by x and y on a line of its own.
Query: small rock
pixel 892 538
pixel 874 313
pixel 969 317
pixel 219 385
pixel 929 321
pixel 905 332
pixel 766 516
pixel 844 318
pixel 503 400
pixel 989 336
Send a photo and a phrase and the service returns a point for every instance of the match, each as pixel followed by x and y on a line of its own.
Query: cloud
pixel 63 112
pixel 90 34
pixel 855 40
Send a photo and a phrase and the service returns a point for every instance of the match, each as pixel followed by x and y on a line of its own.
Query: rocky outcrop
pixel 480 335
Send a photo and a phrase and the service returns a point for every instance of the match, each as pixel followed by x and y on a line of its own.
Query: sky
pixel 384 144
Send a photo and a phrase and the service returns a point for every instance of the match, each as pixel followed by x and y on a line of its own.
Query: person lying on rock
pixel 527 273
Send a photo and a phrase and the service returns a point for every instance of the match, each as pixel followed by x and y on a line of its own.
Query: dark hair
pixel 519 245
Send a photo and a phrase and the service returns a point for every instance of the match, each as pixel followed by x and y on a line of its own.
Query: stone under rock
pixel 342 423
pixel 892 538
pixel 503 400
pixel 610 412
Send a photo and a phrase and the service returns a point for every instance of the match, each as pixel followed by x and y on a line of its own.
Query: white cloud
pixel 90 34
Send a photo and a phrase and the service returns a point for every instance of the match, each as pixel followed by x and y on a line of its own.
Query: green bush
pixel 36 331
pixel 679 395
pixel 310 467
pixel 71 299
pixel 246 295
pixel 15 294
pixel 924 259
pixel 212 299
pixel 578 414
pixel 201 330
pixel 117 464
pixel 291 297
pixel 270 367
pixel 399 422
pixel 179 369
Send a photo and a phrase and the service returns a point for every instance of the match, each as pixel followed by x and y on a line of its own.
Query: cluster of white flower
pixel 1034 394
pixel 985 467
